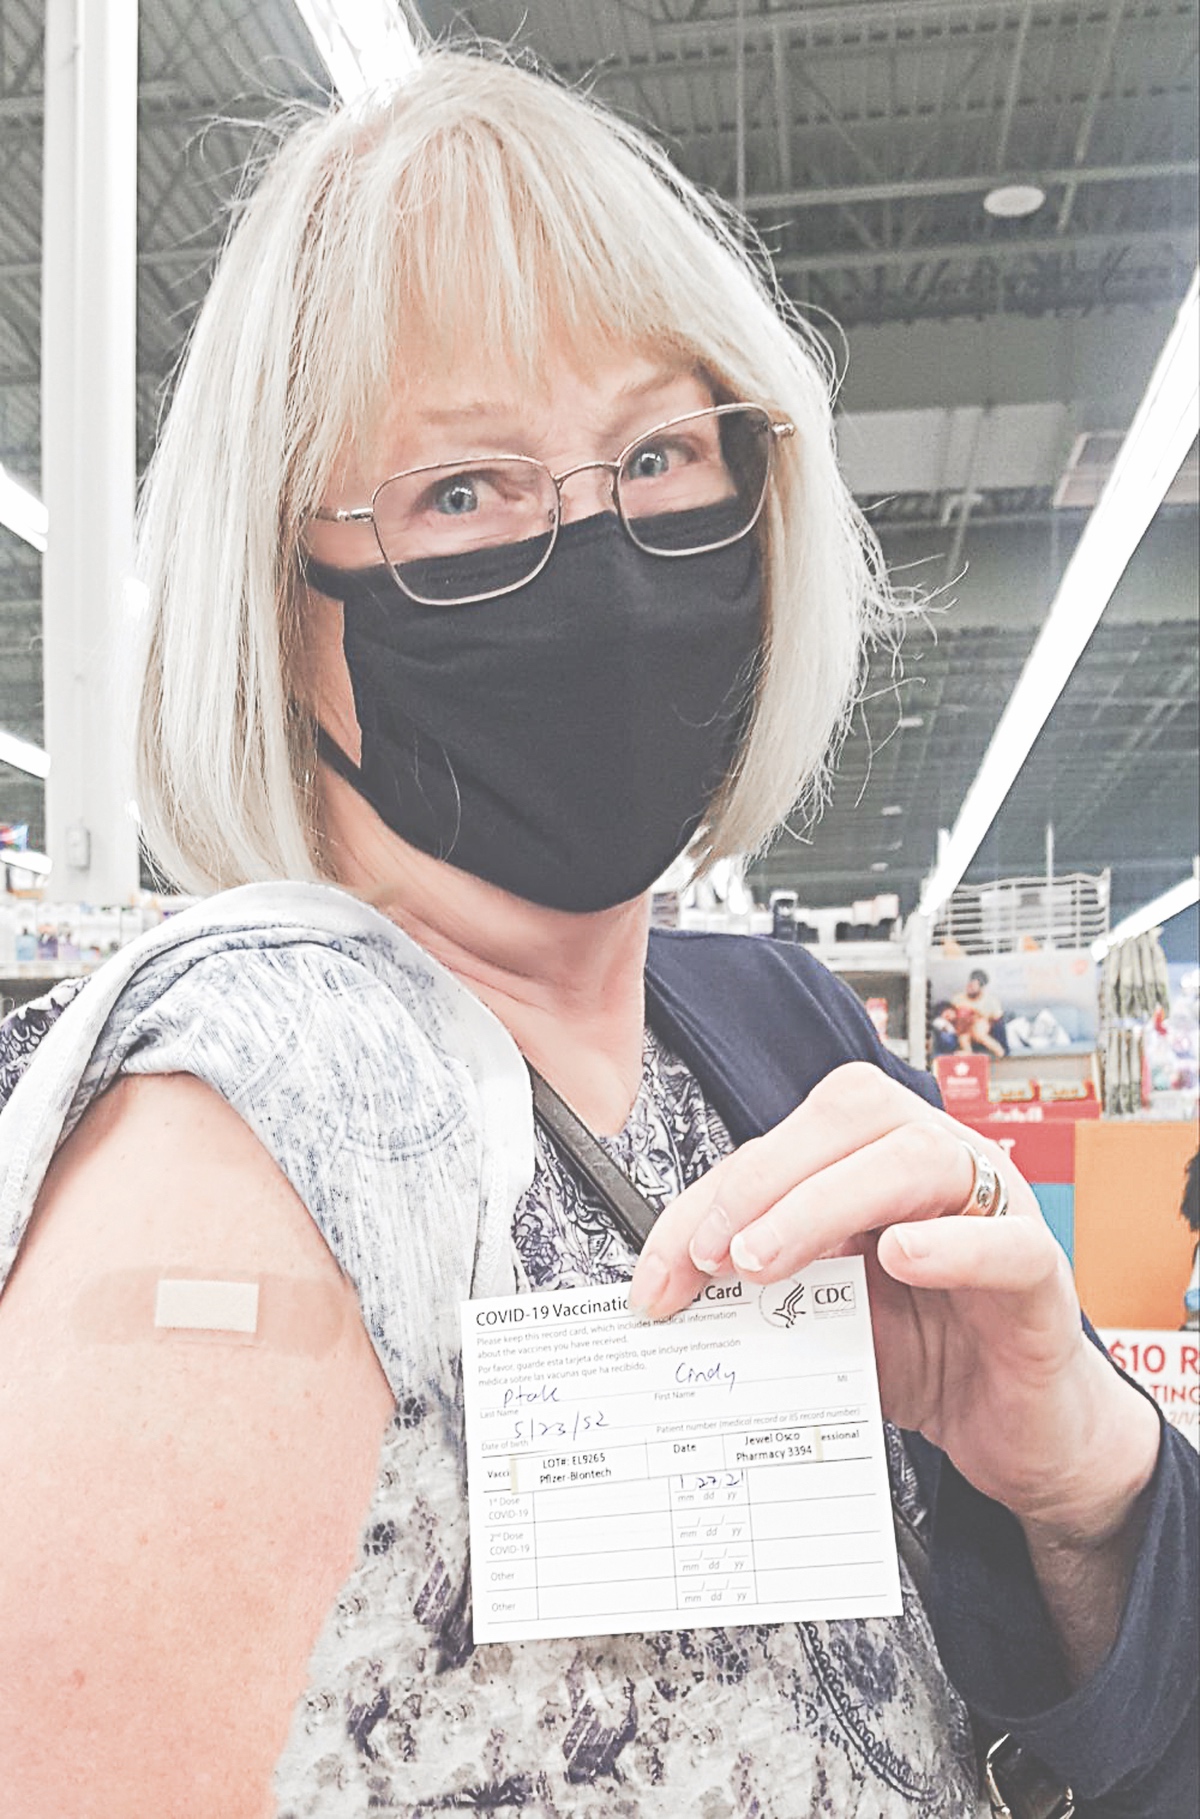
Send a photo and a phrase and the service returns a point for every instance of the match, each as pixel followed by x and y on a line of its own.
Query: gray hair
pixel 475 197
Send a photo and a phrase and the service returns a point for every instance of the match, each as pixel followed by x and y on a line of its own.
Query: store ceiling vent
pixel 1091 462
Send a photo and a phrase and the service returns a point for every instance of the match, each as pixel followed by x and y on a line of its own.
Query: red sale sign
pixel 1165 1363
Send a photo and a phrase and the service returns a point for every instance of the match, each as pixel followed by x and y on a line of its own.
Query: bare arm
pixel 176 1517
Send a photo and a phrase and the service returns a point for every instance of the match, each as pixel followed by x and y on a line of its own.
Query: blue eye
pixel 456 498
pixel 648 464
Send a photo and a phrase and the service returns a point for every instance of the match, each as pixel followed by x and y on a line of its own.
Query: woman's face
pixel 579 412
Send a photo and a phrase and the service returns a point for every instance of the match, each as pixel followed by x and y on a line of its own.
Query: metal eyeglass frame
pixel 778 429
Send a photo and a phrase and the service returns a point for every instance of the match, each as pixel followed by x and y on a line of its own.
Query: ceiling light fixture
pixel 37 864
pixel 364 44
pixel 1181 896
pixel 1162 432
pixel 23 756
pixel 22 512
pixel 1013 201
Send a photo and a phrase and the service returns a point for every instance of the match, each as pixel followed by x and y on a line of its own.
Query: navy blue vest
pixel 759 1022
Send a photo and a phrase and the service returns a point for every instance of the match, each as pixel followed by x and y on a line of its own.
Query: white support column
pixel 89 299
pixel 916 939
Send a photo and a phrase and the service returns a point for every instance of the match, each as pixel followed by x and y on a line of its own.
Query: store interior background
pixel 993 366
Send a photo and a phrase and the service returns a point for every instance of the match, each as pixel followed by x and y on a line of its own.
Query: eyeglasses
pixel 691 485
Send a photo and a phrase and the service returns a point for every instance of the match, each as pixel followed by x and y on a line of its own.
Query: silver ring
pixel 988 1198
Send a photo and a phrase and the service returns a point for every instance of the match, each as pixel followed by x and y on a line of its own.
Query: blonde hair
pixel 477 198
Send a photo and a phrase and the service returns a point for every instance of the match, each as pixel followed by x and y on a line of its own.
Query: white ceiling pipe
pixel 362 43
pixel 1162 432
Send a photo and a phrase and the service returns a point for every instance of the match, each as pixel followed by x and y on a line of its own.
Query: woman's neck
pixel 568 988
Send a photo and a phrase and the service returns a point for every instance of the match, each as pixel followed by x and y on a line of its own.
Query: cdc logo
pixel 831 1299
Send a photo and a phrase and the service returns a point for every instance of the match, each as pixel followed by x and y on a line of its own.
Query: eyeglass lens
pixel 504 508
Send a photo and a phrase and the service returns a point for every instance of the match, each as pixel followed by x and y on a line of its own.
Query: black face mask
pixel 564 740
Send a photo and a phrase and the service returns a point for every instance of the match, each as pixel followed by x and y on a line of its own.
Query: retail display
pixel 43 942
pixel 1150 1031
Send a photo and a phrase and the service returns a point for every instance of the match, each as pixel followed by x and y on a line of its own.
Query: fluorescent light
pixel 364 44
pixel 136 596
pixel 23 756
pixel 1013 201
pixel 1162 432
pixel 22 511
pixel 34 863
pixel 1181 896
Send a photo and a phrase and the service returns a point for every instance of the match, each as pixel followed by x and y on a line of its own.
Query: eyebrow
pixel 464 413
pixel 508 410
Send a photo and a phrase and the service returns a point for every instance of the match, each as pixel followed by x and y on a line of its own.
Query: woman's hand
pixel 976 1322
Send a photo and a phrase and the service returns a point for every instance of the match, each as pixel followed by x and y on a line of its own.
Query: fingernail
pixel 753 1250
pixel 651 1277
pixel 711 1241
pixel 912 1241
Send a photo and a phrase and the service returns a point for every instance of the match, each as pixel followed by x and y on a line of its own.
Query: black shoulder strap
pixel 625 1206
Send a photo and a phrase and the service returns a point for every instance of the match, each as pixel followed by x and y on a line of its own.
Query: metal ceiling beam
pixel 833 117
pixel 202 251
pixel 1014 84
pixel 973 183
pixel 783 111
pixel 1083 138
pixel 159 102
pixel 197 255
pixel 876 16
pixel 1181 241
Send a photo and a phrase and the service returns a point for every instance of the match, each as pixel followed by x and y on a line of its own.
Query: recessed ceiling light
pixel 907 720
pixel 892 808
pixel 1013 201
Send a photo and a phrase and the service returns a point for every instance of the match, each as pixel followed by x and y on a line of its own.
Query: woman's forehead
pixel 603 389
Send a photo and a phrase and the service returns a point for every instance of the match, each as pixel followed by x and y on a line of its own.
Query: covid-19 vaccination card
pixel 726 1466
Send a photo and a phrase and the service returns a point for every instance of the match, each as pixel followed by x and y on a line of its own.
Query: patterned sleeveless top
pixel 403 1716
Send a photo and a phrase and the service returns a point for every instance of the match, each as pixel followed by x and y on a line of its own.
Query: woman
pixel 496 553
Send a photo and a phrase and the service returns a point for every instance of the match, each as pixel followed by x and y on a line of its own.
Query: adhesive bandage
pixel 209 1307
pixel 303 1315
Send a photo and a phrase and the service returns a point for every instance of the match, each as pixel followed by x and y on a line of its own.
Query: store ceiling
pixel 981 351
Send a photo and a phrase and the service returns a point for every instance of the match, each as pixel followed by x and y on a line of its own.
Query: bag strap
pixel 629 1211
pixel 1018 1786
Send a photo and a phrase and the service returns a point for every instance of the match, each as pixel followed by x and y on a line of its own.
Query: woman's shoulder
pixel 370 1078
pixel 296 964
pixel 307 1011
pixel 761 1022
pixel 753 973
pixel 303 1008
